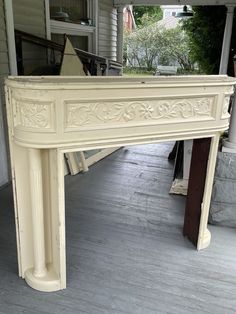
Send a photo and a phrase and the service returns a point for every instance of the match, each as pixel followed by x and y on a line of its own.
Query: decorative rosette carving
pixel 106 112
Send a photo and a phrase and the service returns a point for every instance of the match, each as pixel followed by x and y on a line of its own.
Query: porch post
pixel 120 25
pixel 10 36
pixel 226 41
pixel 229 145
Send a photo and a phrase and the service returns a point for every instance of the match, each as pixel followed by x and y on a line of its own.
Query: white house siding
pixel 29 16
pixel 107 29
pixel 4 71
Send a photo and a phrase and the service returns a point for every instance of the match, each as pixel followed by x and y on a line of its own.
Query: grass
pixel 127 71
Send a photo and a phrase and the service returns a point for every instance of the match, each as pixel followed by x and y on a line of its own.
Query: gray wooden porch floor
pixel 125 249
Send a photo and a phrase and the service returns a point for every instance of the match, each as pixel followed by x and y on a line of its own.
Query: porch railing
pixel 95 64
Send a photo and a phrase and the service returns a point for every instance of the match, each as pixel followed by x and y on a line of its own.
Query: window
pixel 77 19
pixel 167 13
pixel 80 42
pixel 74 11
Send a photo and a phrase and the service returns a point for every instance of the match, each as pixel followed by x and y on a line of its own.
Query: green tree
pixel 205 30
pixel 153 45
pixel 153 12
pixel 144 47
pixel 176 48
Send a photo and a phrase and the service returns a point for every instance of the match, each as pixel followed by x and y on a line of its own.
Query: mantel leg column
pixel 204 235
pixel 38 277
pixel 36 192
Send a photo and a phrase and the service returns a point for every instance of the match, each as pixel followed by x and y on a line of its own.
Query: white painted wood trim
pixel 188 145
pixel 180 186
pixel 47 19
pixel 100 155
pixel 36 193
pixel 16 208
pixel 59 27
pixel 120 34
pixel 10 36
pixel 4 173
pixel 83 162
pixel 76 166
pixel 73 163
pixel 204 236
pixel 229 145
pixel 58 115
pixel 227 40
pixel 95 21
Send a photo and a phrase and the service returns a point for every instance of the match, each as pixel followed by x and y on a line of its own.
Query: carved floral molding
pixel 93 113
pixel 225 111
pixel 33 114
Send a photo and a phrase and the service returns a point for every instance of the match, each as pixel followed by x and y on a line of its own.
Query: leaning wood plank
pixel 197 177
pixel 78 164
pixel 100 155
pixel 73 163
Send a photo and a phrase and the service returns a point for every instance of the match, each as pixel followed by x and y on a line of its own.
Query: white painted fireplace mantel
pixel 49 116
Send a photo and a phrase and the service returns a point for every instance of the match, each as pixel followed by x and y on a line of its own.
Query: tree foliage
pixel 153 12
pixel 176 48
pixel 144 47
pixel 154 45
pixel 205 30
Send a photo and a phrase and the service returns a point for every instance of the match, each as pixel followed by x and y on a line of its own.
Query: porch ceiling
pixel 175 2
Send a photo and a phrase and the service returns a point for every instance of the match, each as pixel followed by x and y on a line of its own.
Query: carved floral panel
pixel 225 111
pixel 34 114
pixel 92 114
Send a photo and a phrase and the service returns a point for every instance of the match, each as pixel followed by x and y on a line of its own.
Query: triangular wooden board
pixel 71 64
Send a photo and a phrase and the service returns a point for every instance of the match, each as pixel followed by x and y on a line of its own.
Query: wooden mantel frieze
pixel 49 116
